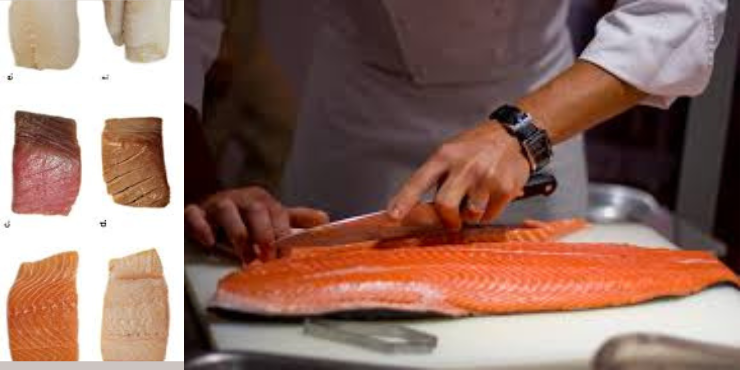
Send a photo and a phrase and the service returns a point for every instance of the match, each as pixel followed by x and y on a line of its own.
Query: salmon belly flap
pixel 469 279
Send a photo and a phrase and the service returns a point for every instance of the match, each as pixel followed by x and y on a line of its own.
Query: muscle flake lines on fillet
pixel 44 34
pixel 528 231
pixel 136 312
pixel 46 164
pixel 142 26
pixel 42 310
pixel 133 162
pixel 474 279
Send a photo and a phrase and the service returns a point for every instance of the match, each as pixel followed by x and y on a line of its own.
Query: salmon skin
pixel 528 231
pixel 42 310
pixel 472 279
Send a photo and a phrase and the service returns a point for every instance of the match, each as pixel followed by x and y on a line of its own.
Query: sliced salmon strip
pixel 42 310
pixel 472 279
pixel 529 231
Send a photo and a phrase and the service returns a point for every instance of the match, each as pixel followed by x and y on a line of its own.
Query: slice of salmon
pixel 473 279
pixel 528 231
pixel 42 310
pixel 136 312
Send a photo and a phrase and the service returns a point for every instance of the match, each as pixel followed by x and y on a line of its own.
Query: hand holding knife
pixel 423 218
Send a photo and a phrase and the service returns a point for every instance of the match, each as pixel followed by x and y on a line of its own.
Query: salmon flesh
pixel 42 310
pixel 469 279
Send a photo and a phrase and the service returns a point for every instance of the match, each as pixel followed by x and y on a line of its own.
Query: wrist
pixel 534 142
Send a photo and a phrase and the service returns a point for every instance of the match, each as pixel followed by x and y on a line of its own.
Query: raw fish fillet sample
pixel 136 313
pixel 133 162
pixel 42 310
pixel 44 34
pixel 472 279
pixel 46 164
pixel 143 26
pixel 528 231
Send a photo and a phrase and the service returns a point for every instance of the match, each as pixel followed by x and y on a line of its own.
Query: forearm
pixel 581 97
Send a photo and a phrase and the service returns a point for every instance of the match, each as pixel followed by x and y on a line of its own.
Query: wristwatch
pixel 534 141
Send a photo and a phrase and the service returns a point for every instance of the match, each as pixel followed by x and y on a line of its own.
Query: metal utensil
pixel 380 338
pixel 653 352
pixel 421 219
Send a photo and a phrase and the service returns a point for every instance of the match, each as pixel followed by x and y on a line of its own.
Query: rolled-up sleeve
pixel 662 47
pixel 203 28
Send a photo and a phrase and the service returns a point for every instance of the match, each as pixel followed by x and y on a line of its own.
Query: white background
pixel 153 89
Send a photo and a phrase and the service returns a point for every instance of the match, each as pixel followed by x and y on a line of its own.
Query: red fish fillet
pixel 473 279
pixel 528 231
pixel 46 164
pixel 42 310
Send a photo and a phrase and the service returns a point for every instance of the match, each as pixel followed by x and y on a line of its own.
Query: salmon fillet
pixel 136 312
pixel 528 231
pixel 42 310
pixel 472 279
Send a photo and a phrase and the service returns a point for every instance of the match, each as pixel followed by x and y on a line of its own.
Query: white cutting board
pixel 526 341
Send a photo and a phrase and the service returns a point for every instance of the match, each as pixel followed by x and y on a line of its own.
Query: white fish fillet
pixel 136 312
pixel 44 34
pixel 142 26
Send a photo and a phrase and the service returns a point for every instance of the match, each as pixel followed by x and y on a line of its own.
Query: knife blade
pixel 421 219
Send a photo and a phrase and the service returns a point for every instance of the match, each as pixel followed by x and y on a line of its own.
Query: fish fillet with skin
pixel 471 279
pixel 136 312
pixel 42 310
pixel 528 231
pixel 133 162
pixel 46 164
pixel 142 26
pixel 44 34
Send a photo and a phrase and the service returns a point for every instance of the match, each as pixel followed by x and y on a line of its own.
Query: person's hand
pixel 483 166
pixel 249 217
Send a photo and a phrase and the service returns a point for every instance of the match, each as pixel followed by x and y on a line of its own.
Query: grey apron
pixel 391 80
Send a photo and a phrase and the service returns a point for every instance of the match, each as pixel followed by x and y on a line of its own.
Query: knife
pixel 421 219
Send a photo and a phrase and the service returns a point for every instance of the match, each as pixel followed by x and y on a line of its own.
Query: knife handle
pixel 539 183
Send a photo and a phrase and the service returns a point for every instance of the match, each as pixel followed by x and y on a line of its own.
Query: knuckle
pixel 223 204
pixel 445 152
pixel 255 207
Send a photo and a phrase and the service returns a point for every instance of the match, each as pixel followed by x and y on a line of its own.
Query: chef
pixel 461 101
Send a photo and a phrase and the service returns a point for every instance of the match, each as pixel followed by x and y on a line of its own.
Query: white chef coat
pixel 392 79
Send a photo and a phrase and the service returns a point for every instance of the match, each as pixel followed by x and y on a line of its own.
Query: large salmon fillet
pixel 473 279
pixel 136 312
pixel 42 310
pixel 528 231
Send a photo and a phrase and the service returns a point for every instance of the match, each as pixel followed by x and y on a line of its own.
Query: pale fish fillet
pixel 142 26
pixel 470 279
pixel 44 34
pixel 42 310
pixel 136 312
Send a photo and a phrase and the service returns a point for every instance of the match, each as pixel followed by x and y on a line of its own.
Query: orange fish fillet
pixel 528 231
pixel 473 279
pixel 42 310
